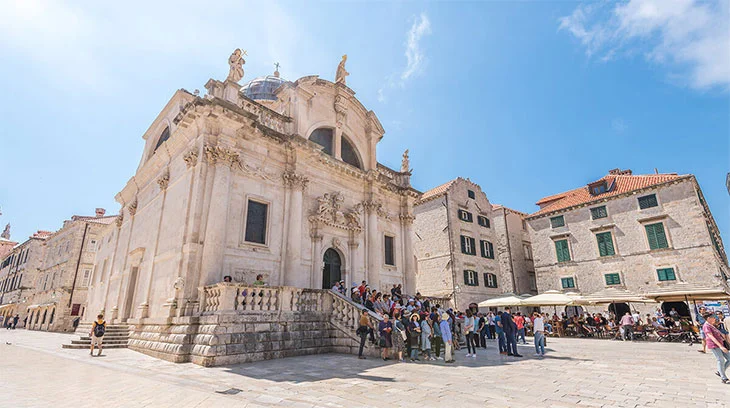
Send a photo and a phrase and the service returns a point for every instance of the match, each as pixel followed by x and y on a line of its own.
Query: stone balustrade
pixel 266 117
pixel 228 298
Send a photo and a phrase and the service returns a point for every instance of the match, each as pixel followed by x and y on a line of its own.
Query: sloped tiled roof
pixel 435 192
pixel 618 184
pixel 40 234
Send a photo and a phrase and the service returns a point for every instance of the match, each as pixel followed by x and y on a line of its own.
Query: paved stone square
pixel 36 372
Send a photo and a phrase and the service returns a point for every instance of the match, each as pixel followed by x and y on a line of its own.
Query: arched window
pixel 53 313
pixel 349 154
pixel 163 138
pixel 324 138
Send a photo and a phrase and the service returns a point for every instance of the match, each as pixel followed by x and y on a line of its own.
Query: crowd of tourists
pixel 418 329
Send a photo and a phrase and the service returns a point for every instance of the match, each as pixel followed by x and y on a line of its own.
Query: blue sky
pixel 527 99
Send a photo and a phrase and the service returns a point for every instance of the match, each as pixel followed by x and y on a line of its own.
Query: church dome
pixel 262 88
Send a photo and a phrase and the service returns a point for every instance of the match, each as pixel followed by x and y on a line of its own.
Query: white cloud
pixel 618 125
pixel 691 38
pixel 415 58
pixel 421 26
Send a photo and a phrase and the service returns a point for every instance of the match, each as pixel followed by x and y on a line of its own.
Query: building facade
pixel 468 249
pixel 641 233
pixel 59 293
pixel 18 273
pixel 271 178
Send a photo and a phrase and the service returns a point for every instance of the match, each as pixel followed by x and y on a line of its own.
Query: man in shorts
pixel 98 328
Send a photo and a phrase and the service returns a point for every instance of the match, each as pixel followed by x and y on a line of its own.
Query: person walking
pixel 385 328
pixel 482 330
pixel 538 328
pixel 98 328
pixel 15 320
pixel 627 326
pixel 520 323
pixel 490 326
pixel 399 335
pixel 447 338
pixel 510 333
pixel 414 334
pixel 364 328
pixel 701 323
pixel 501 340
pixel 468 330
pixel 716 345
pixel 438 339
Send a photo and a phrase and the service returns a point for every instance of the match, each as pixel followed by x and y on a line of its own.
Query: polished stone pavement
pixel 36 372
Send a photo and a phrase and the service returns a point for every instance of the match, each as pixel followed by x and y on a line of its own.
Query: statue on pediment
pixel 236 61
pixel 6 232
pixel 341 71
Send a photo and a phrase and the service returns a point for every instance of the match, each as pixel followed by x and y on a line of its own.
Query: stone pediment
pixel 329 211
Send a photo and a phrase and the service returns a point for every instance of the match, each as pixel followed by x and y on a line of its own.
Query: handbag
pixel 382 342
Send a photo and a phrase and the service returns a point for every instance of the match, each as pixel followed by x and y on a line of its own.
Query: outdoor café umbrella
pixel 507 300
pixel 684 291
pixel 549 298
pixel 614 295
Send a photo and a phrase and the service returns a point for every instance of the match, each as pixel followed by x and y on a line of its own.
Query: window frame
pixel 557 217
pixel 611 241
pixel 648 239
pixel 488 276
pixel 468 273
pixel 656 201
pixel 471 194
pixel 468 245
pixel 266 221
pixel 465 215
pixel 595 210
pixel 385 249
pixel 486 249
pixel 565 279
pixel 557 253
pixel 612 275
pixel 664 269
pixel 483 221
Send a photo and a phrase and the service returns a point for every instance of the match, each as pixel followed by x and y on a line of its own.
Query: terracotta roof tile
pixel 435 192
pixel 619 184
pixel 42 234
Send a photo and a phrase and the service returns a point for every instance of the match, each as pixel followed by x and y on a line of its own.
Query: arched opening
pixel 349 154
pixel 50 321
pixel 163 138
pixel 325 138
pixel 37 315
pixel 681 307
pixel 29 321
pixel 331 272
pixel 45 312
pixel 571 311
pixel 619 309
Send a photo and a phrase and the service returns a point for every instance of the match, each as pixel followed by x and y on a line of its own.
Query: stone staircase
pixel 116 336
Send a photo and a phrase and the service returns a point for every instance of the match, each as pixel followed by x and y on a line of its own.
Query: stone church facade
pixel 272 178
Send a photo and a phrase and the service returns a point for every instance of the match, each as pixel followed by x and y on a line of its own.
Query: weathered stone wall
pixel 690 251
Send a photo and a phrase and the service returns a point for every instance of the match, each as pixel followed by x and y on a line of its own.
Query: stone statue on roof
pixel 236 61
pixel 341 71
pixel 6 232
pixel 405 163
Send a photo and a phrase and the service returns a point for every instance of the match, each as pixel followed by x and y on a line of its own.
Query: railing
pixel 346 313
pixel 266 117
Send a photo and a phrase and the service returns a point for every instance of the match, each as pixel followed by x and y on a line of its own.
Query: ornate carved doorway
pixel 331 271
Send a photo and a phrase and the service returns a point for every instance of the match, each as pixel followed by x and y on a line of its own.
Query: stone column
pixel 214 244
pixel 316 259
pixel 351 278
pixel 372 275
pixel 408 264
pixel 292 262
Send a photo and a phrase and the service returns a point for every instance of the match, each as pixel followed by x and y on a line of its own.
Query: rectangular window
pixel 567 283
pixel 487 249
pixel 490 280
pixel 256 222
pixel 599 212
pixel 389 250
pixel 562 250
pixel 666 274
pixel 465 216
pixel 533 280
pixel 613 279
pixel 483 221
pixel 558 221
pixel 75 309
pixel 605 244
pixel 648 201
pixel 468 245
pixel 471 194
pixel 471 278
pixel 85 277
pixel 656 236
pixel 528 251
pixel 92 246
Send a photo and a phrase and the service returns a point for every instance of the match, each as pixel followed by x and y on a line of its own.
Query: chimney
pixel 100 212
pixel 619 172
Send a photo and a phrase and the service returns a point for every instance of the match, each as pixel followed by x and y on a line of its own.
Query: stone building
pixel 271 178
pixel 643 233
pixel 468 249
pixel 59 292
pixel 18 272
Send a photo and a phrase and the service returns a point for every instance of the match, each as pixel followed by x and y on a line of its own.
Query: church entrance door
pixel 129 298
pixel 331 272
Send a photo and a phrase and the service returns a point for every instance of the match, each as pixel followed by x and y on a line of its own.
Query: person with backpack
pixel 98 328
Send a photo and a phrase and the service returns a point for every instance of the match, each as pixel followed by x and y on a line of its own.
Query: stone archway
pixel 332 269
pixel 619 309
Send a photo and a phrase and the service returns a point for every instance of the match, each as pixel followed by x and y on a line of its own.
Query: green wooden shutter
pixel 473 243
pixel 466 277
pixel 482 249
pixel 491 250
pixel 605 244
pixel 661 237
pixel 562 250
pixel 651 236
pixel 463 244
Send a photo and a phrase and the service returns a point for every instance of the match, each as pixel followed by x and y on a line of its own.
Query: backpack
pixel 99 329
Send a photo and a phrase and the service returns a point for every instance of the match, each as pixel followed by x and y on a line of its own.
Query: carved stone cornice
pixel 191 158
pixel 164 181
pixel 295 180
pixel 132 207
pixel 120 219
pixel 221 155
pixel 406 219
pixel 374 206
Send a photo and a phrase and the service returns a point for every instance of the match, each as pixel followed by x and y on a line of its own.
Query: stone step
pixel 86 346
pixel 106 337
pixel 105 342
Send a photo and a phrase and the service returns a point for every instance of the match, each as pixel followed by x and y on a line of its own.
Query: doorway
pixel 619 309
pixel 681 307
pixel 331 272
pixel 129 298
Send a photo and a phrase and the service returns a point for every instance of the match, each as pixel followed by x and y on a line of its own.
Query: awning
pixel 507 300
pixel 614 295
pixel 684 292
pixel 551 298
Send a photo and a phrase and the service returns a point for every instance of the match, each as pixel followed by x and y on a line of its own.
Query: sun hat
pixel 445 316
